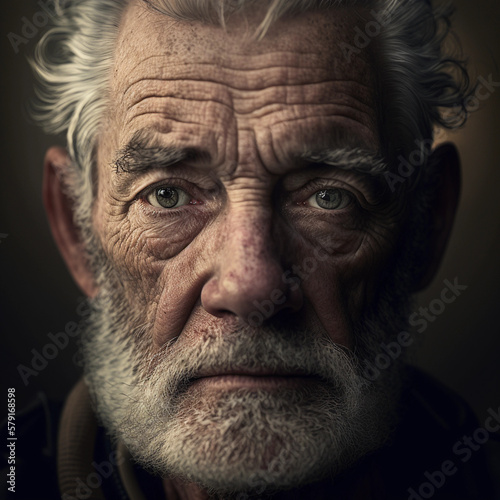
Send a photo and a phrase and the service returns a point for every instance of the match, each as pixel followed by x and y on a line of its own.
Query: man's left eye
pixel 167 197
pixel 330 199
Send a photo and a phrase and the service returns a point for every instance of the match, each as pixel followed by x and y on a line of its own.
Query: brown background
pixel 461 347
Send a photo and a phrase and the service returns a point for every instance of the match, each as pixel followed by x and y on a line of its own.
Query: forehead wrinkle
pixel 277 78
pixel 279 100
pixel 242 102
pixel 334 132
pixel 294 55
pixel 317 112
pixel 327 90
pixel 245 63
pixel 273 112
pixel 225 49
pixel 164 118
pixel 174 97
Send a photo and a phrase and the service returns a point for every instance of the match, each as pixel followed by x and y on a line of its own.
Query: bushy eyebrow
pixel 369 167
pixel 143 154
pixel 352 159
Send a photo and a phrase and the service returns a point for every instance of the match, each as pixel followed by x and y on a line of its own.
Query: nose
pixel 249 280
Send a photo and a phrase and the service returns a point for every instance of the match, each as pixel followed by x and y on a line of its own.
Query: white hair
pixel 423 87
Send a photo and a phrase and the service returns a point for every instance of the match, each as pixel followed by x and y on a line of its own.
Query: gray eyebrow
pixel 353 159
pixel 137 157
pixel 370 166
pixel 141 154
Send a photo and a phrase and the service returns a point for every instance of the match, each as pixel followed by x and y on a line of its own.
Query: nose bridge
pixel 250 257
pixel 248 279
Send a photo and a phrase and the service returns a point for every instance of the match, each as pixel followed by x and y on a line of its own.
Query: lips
pixel 252 379
pixel 250 373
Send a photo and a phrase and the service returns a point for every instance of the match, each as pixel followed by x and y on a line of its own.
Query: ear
pixel 60 212
pixel 446 159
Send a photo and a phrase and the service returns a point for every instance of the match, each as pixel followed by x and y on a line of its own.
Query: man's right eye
pixel 167 197
pixel 331 199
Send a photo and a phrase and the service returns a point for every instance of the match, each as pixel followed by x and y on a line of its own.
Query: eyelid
pixel 320 184
pixel 171 183
pixel 183 198
pixel 368 192
pixel 350 198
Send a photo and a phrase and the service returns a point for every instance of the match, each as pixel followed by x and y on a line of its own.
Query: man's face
pixel 241 271
pixel 203 241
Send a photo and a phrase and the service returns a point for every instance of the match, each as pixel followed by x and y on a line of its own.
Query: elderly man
pixel 249 199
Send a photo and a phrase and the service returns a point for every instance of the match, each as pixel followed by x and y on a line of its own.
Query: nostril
pixel 221 313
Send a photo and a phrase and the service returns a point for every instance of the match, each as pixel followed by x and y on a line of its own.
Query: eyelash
pixel 317 185
pixel 145 205
pixel 301 196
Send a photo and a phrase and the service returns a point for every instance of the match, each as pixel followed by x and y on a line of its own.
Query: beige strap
pixel 75 447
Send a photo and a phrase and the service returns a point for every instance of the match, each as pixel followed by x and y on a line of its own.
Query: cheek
pixel 164 259
pixel 156 256
pixel 339 271
pixel 167 234
pixel 140 243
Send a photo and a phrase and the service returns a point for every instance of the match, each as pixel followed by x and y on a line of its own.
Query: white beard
pixel 239 440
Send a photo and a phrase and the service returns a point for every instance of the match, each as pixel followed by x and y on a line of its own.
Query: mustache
pixel 251 351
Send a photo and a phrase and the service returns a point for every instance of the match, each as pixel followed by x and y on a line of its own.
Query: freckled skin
pixel 252 105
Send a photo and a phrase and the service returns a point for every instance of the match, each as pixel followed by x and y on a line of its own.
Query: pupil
pixel 329 199
pixel 167 197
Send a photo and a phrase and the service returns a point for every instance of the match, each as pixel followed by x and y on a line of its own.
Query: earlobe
pixel 444 206
pixel 60 211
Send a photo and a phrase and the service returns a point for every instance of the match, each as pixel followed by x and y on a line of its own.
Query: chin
pixel 234 438
pixel 245 440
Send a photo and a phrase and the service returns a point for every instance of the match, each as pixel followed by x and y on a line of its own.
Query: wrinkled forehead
pixel 314 43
